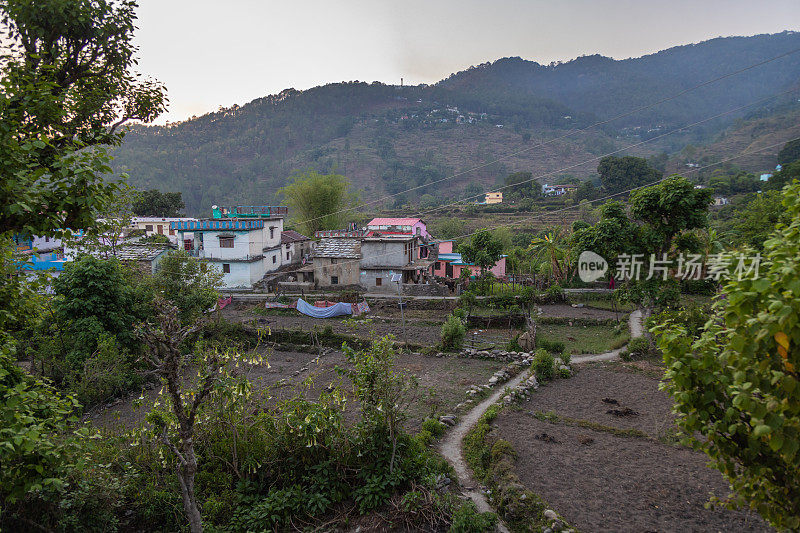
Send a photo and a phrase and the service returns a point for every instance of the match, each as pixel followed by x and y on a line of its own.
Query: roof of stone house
pixel 338 248
pixel 290 236
pixel 140 252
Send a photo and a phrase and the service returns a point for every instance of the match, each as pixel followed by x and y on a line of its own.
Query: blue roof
pixel 231 224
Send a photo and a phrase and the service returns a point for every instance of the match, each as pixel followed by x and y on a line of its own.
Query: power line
pixel 566 135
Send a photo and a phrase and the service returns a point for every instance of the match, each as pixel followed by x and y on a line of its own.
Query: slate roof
pixel 140 252
pixel 290 236
pixel 338 248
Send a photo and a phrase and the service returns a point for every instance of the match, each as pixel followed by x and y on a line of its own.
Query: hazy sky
pixel 213 53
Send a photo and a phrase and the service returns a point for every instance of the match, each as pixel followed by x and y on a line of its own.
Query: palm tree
pixel 549 247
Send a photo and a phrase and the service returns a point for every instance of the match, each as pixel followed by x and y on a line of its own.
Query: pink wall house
pixel 450 264
pixel 398 226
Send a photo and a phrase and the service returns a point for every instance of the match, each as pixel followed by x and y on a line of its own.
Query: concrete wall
pixel 242 275
pixel 294 252
pixel 347 270
pixel 386 253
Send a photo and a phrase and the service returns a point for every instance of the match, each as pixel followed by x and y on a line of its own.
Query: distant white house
pixel 158 226
pixel 720 201
pixel 557 190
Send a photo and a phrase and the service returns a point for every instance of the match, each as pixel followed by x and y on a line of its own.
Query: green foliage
pixel 467 519
pixel 155 238
pixel 789 153
pixel 67 85
pixel 448 228
pixel 735 386
pixel 190 284
pixel 752 223
pixel 550 346
pixel 453 331
pixel 621 173
pixel 434 427
pixel 543 365
pixel 640 346
pixel 317 201
pixel 154 203
pixel 523 184
pixel 483 250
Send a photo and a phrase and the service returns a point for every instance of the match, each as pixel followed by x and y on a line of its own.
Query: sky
pixel 212 53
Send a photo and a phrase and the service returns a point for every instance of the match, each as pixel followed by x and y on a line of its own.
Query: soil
pixel 605 479
pixel 441 385
pixel 419 331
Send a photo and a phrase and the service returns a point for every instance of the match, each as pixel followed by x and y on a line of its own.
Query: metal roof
pixel 393 221
pixel 338 248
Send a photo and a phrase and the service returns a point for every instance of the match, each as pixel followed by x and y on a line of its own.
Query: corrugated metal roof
pixel 338 248
pixel 393 221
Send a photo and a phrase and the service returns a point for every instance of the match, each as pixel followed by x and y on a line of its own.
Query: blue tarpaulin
pixel 338 309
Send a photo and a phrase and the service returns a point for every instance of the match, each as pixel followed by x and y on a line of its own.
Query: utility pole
pixel 398 278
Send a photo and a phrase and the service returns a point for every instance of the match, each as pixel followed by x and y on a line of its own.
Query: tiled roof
pixel 393 221
pixel 290 236
pixel 139 252
pixel 339 248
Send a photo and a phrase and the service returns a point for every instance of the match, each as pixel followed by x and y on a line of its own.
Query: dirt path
pixel 451 446
pixel 637 330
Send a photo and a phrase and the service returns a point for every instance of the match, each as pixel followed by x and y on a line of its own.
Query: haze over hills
pixel 387 138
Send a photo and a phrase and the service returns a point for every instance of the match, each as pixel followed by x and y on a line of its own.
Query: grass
pixel 585 339
pixel 608 305
pixel 553 418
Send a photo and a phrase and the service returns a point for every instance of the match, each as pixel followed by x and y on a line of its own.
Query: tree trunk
pixel 187 468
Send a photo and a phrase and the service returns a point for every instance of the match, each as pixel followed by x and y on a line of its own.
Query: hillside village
pixel 530 297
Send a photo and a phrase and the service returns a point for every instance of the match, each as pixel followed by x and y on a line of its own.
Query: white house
pixel 242 249
pixel 158 226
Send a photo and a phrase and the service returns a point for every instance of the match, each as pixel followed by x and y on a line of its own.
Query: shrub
pixel 566 357
pixel 453 331
pixel 433 426
pixel 555 293
pixel 550 346
pixel 639 346
pixel 467 519
pixel 543 365
pixel 701 287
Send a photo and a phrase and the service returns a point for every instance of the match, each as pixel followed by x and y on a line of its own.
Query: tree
pixel 614 234
pixel 483 250
pixel 735 387
pixel 669 208
pixel 622 173
pixel 448 228
pixel 67 87
pixel 166 360
pixel 789 153
pixel 790 172
pixel 318 201
pixel 473 190
pixel 549 247
pixel 586 191
pixel 523 184
pixel 191 285
pixel 154 203
pixel 752 223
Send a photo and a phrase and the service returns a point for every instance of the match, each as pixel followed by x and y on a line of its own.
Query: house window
pixel 274 257
pixel 333 261
pixel 226 268
pixel 334 280
pixel 437 266
pixel 226 242
pixel 172 231
pixel 272 233
pixel 378 282
pixel 287 256
pixel 148 227
pixel 160 229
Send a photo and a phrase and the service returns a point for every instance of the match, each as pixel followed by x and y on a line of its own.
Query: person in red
pixel 611 282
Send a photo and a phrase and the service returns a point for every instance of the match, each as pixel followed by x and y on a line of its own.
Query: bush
pixel 433 426
pixel 639 346
pixel 467 519
pixel 701 287
pixel 555 293
pixel 566 357
pixel 551 346
pixel 543 365
pixel 453 331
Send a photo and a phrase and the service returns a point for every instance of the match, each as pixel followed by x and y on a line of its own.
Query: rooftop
pixel 393 221
pixel 230 224
pixel 290 236
pixel 141 252
pixel 250 211
pixel 338 248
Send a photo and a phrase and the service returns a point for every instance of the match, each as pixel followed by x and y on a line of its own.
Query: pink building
pixel 397 226
pixel 450 264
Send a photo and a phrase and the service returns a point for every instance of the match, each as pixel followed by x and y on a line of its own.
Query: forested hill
pixel 387 138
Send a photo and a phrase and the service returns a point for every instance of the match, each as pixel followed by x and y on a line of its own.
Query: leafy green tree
pixel 669 208
pixel 191 285
pixel 317 201
pixel 427 201
pixel 790 152
pixel 735 387
pixel 614 234
pixel 586 191
pixel 482 250
pixel 551 248
pixel 790 172
pixel 154 203
pixel 622 173
pixel 523 184
pixel 752 223
pixel 67 87
pixel 473 190
pixel 448 228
